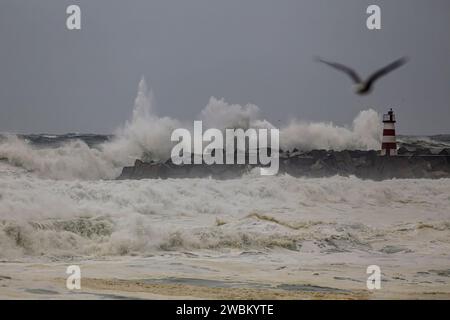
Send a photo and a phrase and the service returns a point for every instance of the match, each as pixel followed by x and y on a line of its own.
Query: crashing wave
pixel 147 136
pixel 40 217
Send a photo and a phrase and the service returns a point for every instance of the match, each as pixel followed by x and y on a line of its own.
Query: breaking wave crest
pixel 147 136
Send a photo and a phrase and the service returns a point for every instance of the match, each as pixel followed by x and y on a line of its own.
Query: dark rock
pixel 403 150
pixel 422 151
pixel 315 163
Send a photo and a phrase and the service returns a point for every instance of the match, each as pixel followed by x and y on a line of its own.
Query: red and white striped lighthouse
pixel 389 143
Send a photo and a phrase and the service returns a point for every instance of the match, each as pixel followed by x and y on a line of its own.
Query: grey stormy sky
pixel 246 51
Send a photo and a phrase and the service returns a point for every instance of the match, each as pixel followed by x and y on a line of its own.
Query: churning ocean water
pixel 59 201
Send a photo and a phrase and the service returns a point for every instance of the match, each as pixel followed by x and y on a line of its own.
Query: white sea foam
pixel 95 218
pixel 147 136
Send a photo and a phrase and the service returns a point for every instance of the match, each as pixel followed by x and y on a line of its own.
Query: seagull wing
pixel 350 72
pixel 382 72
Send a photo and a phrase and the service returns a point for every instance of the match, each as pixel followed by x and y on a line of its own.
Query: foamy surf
pixel 258 237
pixel 41 217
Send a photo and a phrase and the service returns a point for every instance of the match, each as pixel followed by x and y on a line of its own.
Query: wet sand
pixel 187 276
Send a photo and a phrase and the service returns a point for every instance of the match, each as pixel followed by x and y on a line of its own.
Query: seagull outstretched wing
pixel 350 72
pixel 382 72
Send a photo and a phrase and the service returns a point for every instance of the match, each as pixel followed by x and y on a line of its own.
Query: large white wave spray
pixel 364 134
pixel 147 136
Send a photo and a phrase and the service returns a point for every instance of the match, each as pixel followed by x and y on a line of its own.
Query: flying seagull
pixel 365 87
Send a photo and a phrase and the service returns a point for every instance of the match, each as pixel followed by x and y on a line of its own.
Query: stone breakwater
pixel 315 163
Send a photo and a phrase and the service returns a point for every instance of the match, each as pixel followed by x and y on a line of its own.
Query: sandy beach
pixel 188 276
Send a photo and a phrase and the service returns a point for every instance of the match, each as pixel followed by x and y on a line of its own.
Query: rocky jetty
pixel 315 163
